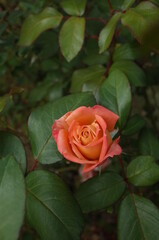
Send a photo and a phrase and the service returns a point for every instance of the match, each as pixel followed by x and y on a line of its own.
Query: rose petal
pixel 71 136
pixel 114 149
pixel 65 149
pixel 77 152
pixel 59 124
pixel 91 153
pixel 104 144
pixel 82 115
pixel 110 117
pixel 89 167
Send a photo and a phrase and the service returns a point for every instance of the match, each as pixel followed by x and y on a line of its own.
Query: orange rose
pixel 83 136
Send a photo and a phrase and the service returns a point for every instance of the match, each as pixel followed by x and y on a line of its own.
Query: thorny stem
pixel 97 19
pixel 110 59
pixel 34 165
pixel 110 7
pixel 94 37
pixel 112 11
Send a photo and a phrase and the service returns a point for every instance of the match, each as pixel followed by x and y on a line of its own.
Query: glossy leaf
pixel 149 143
pixel 100 192
pixel 126 52
pixel 40 125
pixel 82 76
pixel 51 209
pixel 72 37
pixel 115 94
pixel 74 7
pixel 12 198
pixel 134 73
pixel 142 221
pixel 145 16
pixel 11 145
pixel 127 4
pixel 134 125
pixel 93 86
pixel 34 25
pixel 143 171
pixel 107 33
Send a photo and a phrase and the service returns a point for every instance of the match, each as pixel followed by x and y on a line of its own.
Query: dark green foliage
pixel 56 56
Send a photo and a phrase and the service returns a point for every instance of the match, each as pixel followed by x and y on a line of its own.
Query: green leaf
pixel 41 90
pixel 107 33
pixel 149 143
pixel 82 76
pixel 134 73
pixel 126 52
pixel 43 145
pixel 100 192
pixel 91 53
pixel 74 7
pixel 40 125
pixel 138 219
pixel 34 25
pixel 11 145
pixel 115 95
pixel 72 37
pixel 51 209
pixel 127 4
pixel 93 86
pixel 146 17
pixel 134 125
pixel 12 198
pixel 143 171
pixel 96 58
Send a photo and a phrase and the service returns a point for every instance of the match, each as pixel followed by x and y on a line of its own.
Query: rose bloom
pixel 83 136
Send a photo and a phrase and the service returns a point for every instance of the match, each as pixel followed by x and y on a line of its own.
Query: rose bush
pixel 83 136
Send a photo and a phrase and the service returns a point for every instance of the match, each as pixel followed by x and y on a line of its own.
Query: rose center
pixel 87 133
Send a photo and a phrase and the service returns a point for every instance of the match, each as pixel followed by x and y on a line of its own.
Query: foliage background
pixel 31 76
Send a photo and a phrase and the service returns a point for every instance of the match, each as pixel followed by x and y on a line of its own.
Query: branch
pixel 124 175
pixel 96 19
pixel 34 165
pixel 110 7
